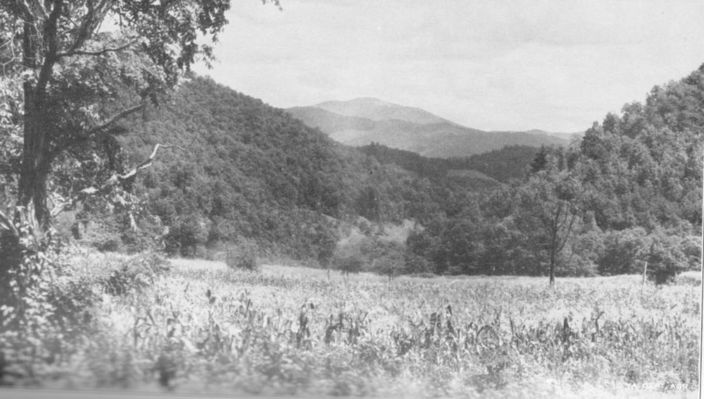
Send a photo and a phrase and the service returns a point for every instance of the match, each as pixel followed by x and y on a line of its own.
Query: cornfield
pixel 201 326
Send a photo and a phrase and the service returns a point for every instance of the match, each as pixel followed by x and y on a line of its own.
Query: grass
pixel 291 330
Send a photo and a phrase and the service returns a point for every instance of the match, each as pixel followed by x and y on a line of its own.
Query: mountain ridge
pixel 367 120
pixel 377 110
pixel 252 172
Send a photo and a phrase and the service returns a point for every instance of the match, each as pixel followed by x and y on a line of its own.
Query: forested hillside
pixel 627 194
pixel 243 170
pixel 626 198
pixel 510 162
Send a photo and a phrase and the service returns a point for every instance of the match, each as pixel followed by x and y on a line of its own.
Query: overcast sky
pixel 556 65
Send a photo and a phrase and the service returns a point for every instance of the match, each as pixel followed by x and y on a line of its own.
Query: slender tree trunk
pixel 554 245
pixel 552 266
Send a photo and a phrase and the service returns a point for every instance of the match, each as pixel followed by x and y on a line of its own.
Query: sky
pixel 556 65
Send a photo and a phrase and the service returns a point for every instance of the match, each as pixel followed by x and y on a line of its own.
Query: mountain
pixel 241 169
pixel 363 121
pixel 378 110
pixel 565 136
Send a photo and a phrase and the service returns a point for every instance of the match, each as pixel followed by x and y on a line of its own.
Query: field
pixel 193 326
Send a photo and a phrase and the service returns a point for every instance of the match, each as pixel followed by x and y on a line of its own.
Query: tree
pixel 548 211
pixel 72 56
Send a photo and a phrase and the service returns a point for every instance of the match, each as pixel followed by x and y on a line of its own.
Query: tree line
pixel 85 112
pixel 626 197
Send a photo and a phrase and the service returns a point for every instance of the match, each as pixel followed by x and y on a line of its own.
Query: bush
pixel 388 259
pixel 186 235
pixel 144 238
pixel 352 252
pixel 666 258
pixel 111 244
pixel 242 256
pixel 72 301
pixel 134 274
pixel 44 309
pixel 582 267
pixel 347 264
pixel 417 264
pixel 691 248
pixel 623 251
pixel 101 233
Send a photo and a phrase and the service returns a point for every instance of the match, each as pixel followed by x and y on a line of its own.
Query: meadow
pixel 144 324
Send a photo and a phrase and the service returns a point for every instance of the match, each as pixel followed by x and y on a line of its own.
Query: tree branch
pixel 50 58
pixel 110 182
pixel 24 6
pixel 116 178
pixel 68 143
pixel 95 53
pixel 40 8
pixel 115 118
pixel 91 21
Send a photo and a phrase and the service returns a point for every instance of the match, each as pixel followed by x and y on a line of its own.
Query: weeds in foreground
pixel 296 332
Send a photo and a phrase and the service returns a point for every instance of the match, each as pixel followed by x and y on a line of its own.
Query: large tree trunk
pixel 36 163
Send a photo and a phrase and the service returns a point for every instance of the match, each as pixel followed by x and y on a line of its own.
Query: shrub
pixel 691 248
pixel 102 234
pixel 583 267
pixel 142 239
pixel 186 235
pixel 347 263
pixel 73 302
pixel 417 264
pixel 352 252
pixel 623 251
pixel 242 256
pixel 43 309
pixel 111 244
pixel 134 274
pixel 666 258
pixel 388 259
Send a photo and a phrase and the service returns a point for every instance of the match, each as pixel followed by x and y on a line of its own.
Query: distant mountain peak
pixel 377 110
pixel 364 120
pixel 369 100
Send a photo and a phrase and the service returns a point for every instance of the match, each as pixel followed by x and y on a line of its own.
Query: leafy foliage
pixel 242 256
pixel 246 169
pixel 628 193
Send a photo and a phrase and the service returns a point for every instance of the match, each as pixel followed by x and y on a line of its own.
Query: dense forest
pixel 510 162
pixel 628 195
pixel 239 170
pixel 235 170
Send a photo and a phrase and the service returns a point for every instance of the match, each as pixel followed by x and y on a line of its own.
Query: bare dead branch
pixel 131 174
pixel 110 182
